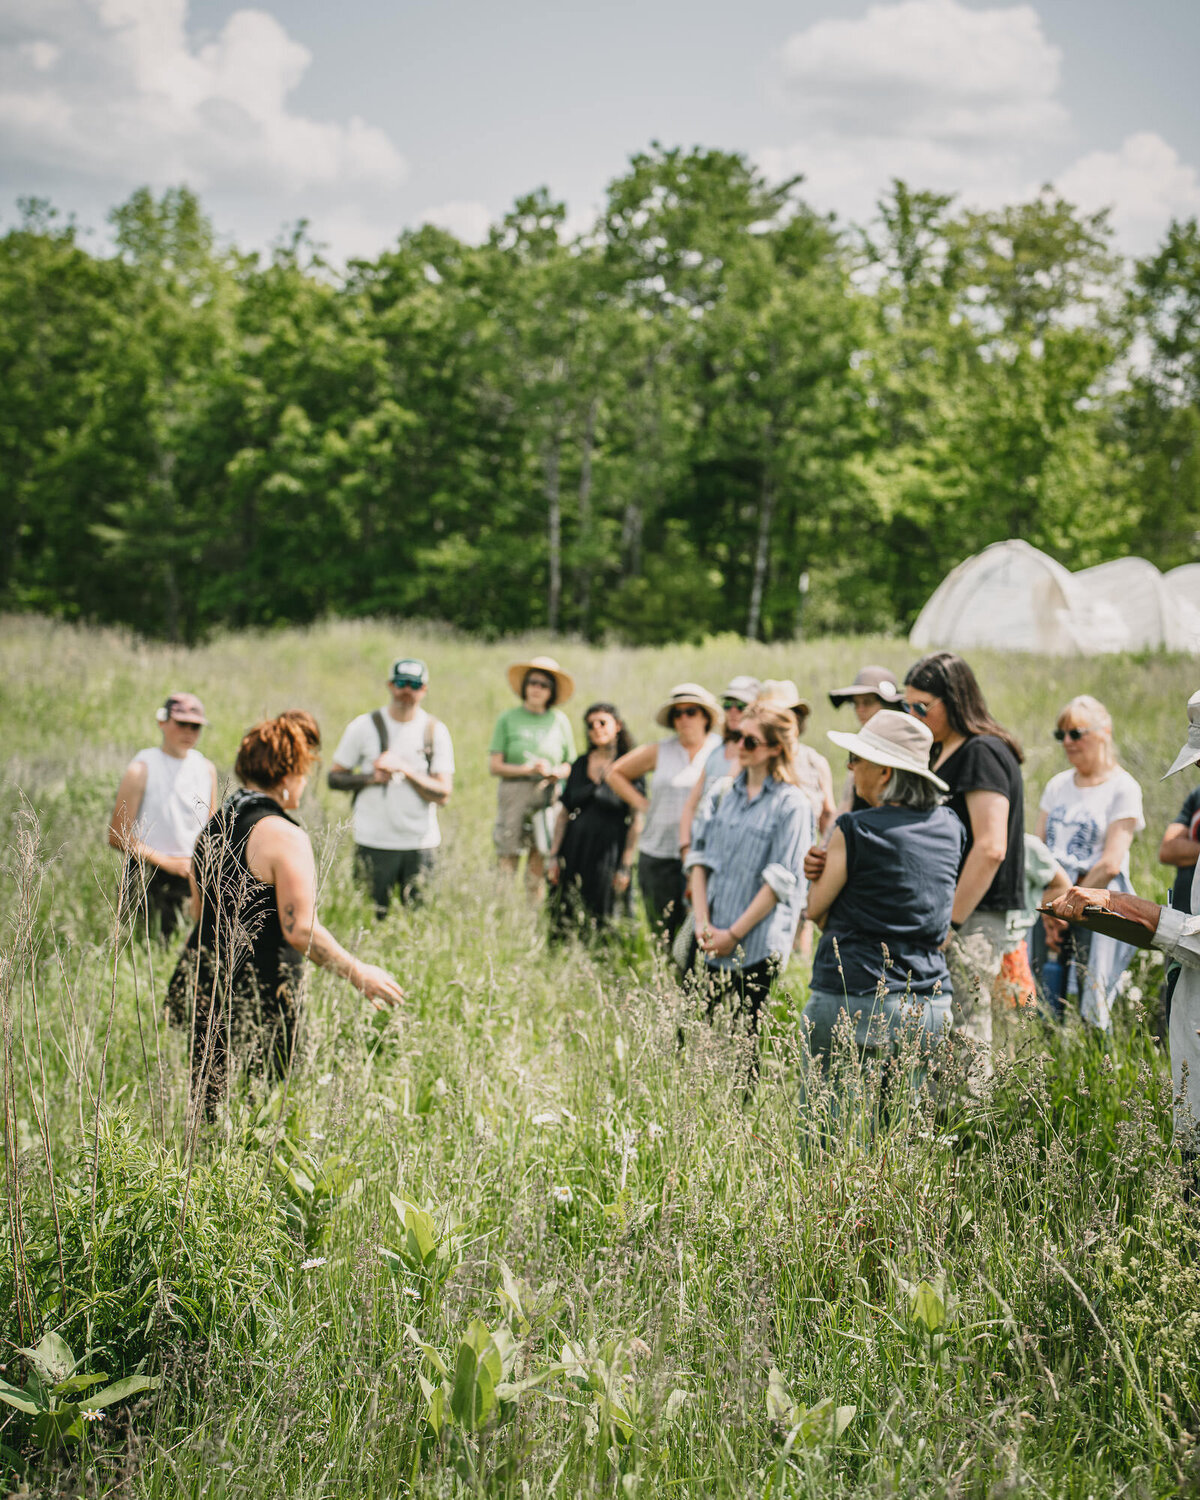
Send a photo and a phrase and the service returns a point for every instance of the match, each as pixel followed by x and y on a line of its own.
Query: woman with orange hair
pixel 254 900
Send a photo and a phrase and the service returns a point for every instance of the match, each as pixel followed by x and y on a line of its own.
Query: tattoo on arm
pixel 289 914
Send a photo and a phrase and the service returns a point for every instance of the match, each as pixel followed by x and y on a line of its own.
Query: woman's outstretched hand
pixel 378 986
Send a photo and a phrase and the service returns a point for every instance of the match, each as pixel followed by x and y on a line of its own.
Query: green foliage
pixel 160 1259
pixel 647 433
pixel 51 1384
pixel 515 1238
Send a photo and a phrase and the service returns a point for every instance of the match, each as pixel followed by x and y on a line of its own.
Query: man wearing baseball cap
pixel 398 763
pixel 166 796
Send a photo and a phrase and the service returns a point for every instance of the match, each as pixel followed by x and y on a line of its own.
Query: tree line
pixel 652 431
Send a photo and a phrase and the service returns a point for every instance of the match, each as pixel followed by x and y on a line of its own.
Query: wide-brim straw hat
pixel 784 692
pixel 547 664
pixel 1190 753
pixel 691 692
pixel 891 739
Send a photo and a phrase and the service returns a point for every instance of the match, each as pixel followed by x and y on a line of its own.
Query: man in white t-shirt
pixel 399 764
pixel 165 798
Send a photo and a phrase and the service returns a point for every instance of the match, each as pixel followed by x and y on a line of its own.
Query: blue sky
pixel 366 118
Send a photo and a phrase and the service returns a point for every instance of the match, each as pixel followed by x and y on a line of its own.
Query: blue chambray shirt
pixel 745 845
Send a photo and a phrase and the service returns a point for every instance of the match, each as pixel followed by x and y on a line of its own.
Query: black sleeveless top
pixel 901 871
pixel 239 935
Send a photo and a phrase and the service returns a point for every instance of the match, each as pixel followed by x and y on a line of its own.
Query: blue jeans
pixel 879 1026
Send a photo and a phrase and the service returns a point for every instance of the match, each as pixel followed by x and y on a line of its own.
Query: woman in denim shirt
pixel 747 860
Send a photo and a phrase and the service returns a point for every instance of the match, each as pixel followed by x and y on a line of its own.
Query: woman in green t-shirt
pixel 531 753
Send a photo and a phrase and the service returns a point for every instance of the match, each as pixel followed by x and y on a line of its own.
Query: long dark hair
pixel 946 676
pixel 624 741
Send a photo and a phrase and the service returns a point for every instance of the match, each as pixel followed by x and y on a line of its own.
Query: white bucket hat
pixel 744 689
pixel 1190 753
pixel 896 740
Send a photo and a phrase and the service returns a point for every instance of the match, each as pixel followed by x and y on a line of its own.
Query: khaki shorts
pixel 517 803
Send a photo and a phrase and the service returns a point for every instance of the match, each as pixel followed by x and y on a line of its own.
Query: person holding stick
pixel 1176 933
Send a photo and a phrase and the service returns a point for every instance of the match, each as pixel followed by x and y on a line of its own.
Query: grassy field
pixel 514 1240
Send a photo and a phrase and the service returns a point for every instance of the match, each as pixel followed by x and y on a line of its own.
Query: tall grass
pixel 636 1281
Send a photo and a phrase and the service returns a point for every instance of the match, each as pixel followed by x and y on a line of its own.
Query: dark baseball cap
pixel 410 669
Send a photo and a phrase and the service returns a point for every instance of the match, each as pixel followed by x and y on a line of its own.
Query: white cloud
pixel 116 93
pixel 928 69
pixel 42 55
pixel 946 97
pixel 955 100
pixel 1144 183
pixel 469 221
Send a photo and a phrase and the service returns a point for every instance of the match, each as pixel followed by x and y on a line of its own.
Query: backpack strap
pixel 381 731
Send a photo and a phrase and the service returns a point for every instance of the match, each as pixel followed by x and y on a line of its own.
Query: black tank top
pixel 239 931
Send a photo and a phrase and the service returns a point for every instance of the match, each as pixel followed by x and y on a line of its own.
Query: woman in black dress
pixel 254 898
pixel 591 862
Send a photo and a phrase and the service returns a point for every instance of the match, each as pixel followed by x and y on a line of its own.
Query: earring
pixel 285 794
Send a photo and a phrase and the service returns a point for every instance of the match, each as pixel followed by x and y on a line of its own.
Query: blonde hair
pixel 778 725
pixel 1085 709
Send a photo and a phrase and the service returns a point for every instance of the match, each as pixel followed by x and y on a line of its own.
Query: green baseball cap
pixel 410 671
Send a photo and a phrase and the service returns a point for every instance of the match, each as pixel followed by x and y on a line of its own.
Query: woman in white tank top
pixel 166 796
pixel 677 762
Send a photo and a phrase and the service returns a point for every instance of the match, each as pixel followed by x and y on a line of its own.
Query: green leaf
pixel 12 1396
pixel 928 1307
pixel 120 1390
pixel 780 1406
pixel 462 1397
pixel 430 1353
pixel 820 1424
pixel 78 1383
pixel 52 1358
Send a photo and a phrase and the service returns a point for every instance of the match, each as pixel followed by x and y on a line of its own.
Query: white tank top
pixel 674 778
pixel 176 802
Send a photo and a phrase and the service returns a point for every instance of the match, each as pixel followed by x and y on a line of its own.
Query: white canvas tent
pixel 1011 597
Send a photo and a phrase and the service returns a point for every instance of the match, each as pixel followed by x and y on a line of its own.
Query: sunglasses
pixel 189 724
pixel 407 682
pixel 599 722
pixel 728 703
pixel 687 711
pixel 920 709
pixel 852 761
pixel 749 742
pixel 540 682
pixel 1070 734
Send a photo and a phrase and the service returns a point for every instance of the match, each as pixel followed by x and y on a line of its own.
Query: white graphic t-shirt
pixel 395 815
pixel 1078 817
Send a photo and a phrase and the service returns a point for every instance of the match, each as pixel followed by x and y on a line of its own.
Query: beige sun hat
pixel 1190 753
pixel 547 664
pixel 691 692
pixel 783 690
pixel 891 739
